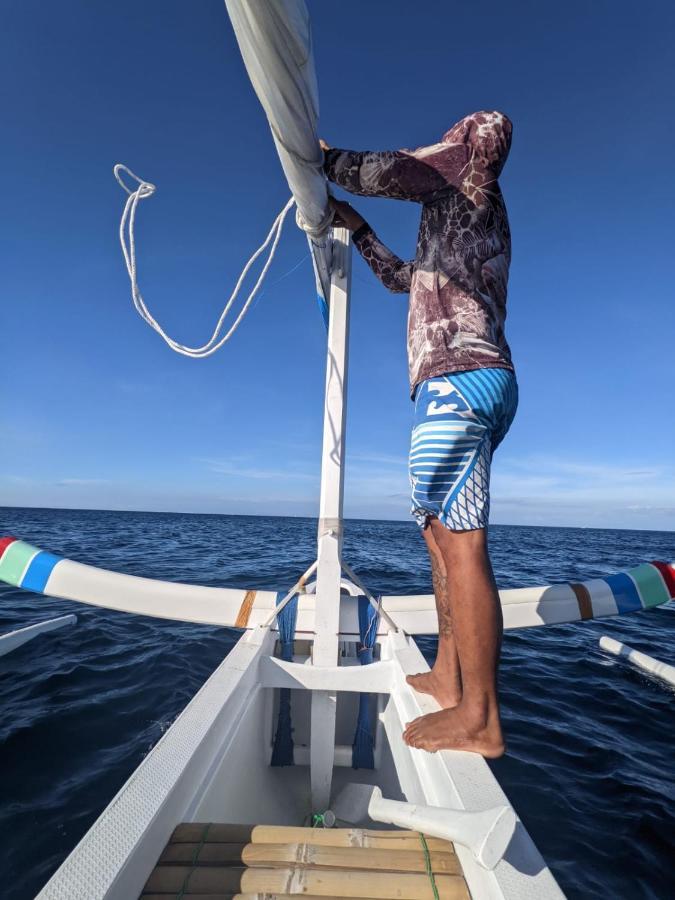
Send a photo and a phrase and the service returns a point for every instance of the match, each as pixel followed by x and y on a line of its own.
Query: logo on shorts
pixel 456 404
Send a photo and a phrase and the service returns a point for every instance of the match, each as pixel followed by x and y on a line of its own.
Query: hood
pixel 489 133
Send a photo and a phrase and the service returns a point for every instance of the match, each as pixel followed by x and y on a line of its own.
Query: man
pixel 465 394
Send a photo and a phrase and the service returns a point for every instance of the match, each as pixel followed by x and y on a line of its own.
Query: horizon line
pixel 164 512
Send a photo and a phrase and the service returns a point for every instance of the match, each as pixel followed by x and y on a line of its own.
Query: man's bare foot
pixel 443 692
pixel 453 729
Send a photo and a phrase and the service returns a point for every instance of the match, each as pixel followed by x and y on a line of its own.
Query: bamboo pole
pixel 352 858
pixel 288 834
pixel 341 883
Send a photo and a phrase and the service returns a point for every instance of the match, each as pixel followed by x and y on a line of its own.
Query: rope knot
pixel 320 230
pixel 144 189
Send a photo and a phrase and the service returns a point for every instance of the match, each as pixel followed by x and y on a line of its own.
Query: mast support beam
pixel 329 571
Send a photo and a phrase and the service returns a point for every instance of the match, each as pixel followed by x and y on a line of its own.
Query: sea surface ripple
pixel 591 741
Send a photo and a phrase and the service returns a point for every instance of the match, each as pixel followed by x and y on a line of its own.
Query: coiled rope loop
pixel 127 240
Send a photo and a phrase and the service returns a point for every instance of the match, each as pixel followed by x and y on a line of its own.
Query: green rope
pixel 317 819
pixel 195 857
pixel 427 863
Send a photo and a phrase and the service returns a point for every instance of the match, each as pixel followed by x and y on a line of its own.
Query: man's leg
pixel 444 682
pixel 474 723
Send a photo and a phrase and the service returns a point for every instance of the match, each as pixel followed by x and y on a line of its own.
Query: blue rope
pixel 323 308
pixel 282 752
pixel 321 300
pixel 362 748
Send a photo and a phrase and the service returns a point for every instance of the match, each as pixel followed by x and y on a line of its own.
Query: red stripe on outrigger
pixel 4 544
pixel 668 576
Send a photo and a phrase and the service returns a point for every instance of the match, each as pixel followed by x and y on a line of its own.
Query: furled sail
pixel 275 40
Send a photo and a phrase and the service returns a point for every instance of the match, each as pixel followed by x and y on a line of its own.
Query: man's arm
pixel 393 272
pixel 420 174
pixel 398 174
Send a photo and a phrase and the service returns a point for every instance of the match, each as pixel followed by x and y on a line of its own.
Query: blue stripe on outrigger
pixel 38 572
pixel 625 592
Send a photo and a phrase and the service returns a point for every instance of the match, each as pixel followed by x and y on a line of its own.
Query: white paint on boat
pixel 329 552
pixel 213 765
pixel 150 597
pixel 602 597
pixel 115 857
pixel 487 833
pixel 655 667
pixel 373 679
pixel 414 614
pixel 14 639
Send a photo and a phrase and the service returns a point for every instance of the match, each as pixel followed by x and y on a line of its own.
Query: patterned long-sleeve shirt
pixel 457 281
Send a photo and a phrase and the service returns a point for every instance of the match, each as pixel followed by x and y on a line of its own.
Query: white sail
pixel 275 41
pixel 274 37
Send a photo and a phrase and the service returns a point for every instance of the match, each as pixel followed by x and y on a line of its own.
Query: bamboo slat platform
pixel 245 862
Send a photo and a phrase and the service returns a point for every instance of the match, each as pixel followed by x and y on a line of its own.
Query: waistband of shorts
pixel 458 372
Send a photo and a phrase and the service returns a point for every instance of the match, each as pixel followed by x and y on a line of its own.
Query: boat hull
pixel 213 765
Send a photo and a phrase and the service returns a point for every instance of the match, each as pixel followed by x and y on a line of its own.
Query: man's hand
pixel 345 215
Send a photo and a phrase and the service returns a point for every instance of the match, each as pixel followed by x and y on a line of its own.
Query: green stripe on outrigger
pixel 14 561
pixel 650 585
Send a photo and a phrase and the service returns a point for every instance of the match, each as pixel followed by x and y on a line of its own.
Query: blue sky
pixel 97 412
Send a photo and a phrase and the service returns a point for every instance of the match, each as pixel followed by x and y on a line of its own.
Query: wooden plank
pixel 391 859
pixel 207 854
pixel 246 896
pixel 205 897
pixel 351 858
pixel 193 832
pixel 200 896
pixel 245 610
pixel 204 862
pixel 274 897
pixel 342 883
pixel 345 837
pixel 235 897
pixel 201 880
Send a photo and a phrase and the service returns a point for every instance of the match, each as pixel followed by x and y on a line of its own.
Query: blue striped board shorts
pixel 460 420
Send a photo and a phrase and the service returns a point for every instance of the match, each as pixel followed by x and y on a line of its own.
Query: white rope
pixel 316 234
pixel 128 242
pixel 377 605
pixel 297 587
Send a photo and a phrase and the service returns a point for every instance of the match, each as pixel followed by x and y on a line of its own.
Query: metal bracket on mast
pixel 329 571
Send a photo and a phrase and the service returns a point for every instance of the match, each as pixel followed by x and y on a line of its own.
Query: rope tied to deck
pixel 195 859
pixel 429 867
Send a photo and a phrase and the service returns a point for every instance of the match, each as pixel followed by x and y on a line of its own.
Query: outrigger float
pixel 287 773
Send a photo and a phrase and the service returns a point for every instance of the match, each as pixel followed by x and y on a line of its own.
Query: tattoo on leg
pixel 444 622
pixel 440 582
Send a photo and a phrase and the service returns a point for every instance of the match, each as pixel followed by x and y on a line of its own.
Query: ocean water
pixel 591 742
